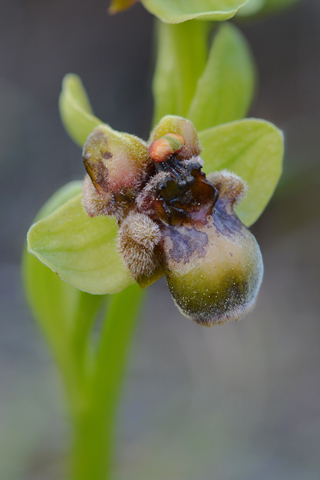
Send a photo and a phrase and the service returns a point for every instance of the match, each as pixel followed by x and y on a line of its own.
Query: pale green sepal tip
pixel 80 249
pixel 177 11
pixel 251 148
pixel 75 109
pixel 226 87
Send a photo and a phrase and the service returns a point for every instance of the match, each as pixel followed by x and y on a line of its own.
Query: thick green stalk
pixel 91 457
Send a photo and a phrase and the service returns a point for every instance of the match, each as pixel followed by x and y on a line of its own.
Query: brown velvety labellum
pixel 214 270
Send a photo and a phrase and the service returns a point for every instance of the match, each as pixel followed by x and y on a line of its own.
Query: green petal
pixel 181 59
pixel 177 11
pixel 253 149
pixel 225 90
pixel 80 249
pixel 75 109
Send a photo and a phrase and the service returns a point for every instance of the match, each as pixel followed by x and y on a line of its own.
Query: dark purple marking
pixel 186 242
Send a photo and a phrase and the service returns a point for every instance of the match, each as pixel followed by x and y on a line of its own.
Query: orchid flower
pixel 148 209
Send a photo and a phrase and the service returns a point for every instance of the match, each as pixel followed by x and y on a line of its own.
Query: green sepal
pixel 253 7
pixel 253 149
pixel 80 249
pixel 75 109
pixel 226 87
pixel 177 11
pixel 64 313
pixel 181 58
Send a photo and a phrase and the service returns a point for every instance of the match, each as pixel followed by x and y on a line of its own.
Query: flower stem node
pixel 174 220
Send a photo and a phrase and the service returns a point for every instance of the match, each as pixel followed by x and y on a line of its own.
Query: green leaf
pixel 225 89
pixel 80 249
pixel 177 11
pixel 181 59
pixel 253 149
pixel 75 109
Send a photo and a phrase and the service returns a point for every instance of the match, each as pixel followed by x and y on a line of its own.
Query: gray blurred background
pixel 235 402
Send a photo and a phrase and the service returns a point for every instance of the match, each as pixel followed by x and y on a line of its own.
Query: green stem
pixel 81 327
pixel 91 457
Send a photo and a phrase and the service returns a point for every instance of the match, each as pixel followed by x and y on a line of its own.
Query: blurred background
pixel 235 402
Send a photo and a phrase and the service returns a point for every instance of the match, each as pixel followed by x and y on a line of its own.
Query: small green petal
pixel 75 109
pixel 177 11
pixel 80 249
pixel 225 90
pixel 253 149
